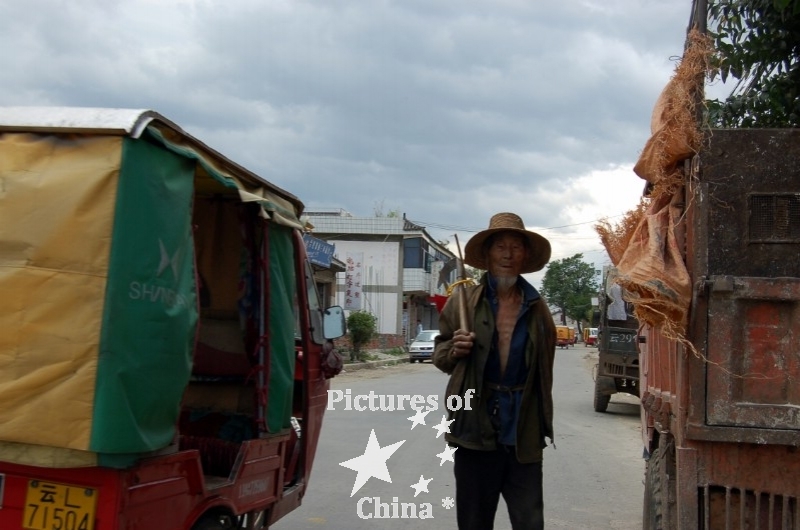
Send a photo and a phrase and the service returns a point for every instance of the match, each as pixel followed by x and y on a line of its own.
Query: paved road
pixel 593 479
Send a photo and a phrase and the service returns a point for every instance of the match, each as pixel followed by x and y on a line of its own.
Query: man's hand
pixel 462 343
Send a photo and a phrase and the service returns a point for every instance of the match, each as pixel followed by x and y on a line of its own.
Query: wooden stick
pixel 461 290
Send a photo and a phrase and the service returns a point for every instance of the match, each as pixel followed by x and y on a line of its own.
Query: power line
pixel 457 228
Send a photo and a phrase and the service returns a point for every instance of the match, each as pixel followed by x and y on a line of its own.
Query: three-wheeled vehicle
pixel 565 336
pixel 160 331
pixel 590 336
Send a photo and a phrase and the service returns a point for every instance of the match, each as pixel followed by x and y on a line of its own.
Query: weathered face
pixel 507 254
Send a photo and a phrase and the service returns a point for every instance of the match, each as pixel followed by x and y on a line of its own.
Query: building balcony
pixel 417 281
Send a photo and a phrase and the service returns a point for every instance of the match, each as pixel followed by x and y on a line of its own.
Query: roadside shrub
pixel 362 326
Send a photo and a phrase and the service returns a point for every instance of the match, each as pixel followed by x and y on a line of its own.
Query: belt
pixel 503 388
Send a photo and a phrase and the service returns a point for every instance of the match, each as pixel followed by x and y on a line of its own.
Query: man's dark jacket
pixel 472 428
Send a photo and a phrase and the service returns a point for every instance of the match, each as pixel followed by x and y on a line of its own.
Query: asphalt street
pixel 593 475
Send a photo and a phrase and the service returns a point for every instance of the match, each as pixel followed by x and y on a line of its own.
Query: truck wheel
pixel 211 522
pixel 646 498
pixel 653 516
pixel 659 502
pixel 600 400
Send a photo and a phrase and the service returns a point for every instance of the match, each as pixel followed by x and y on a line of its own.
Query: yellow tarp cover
pixel 46 272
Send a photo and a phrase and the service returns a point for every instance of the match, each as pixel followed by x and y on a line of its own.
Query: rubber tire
pixel 210 523
pixel 653 516
pixel 660 510
pixel 600 400
pixel 646 507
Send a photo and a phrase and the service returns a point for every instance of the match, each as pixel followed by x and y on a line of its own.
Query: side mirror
pixel 333 322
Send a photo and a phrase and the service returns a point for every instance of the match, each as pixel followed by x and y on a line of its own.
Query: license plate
pixel 51 506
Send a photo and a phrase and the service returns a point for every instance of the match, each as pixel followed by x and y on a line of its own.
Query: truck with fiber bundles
pixel 712 269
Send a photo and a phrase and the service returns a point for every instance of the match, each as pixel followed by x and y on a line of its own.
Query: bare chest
pixel 506 320
pixel 507 313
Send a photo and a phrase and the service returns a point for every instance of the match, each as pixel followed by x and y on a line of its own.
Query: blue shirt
pixel 503 406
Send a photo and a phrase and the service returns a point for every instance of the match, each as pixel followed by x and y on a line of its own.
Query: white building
pixel 392 268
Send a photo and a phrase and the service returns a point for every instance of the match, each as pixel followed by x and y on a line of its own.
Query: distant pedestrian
pixel 419 327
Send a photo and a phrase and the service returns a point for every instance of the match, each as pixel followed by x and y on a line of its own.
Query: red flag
pixel 439 300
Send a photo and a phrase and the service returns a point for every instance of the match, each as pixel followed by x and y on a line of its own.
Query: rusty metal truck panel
pixel 749 204
pixel 746 238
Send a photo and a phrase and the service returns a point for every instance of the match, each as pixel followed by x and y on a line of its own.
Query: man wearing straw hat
pixel 499 346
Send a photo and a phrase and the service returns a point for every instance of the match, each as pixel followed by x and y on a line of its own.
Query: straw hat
pixel 508 222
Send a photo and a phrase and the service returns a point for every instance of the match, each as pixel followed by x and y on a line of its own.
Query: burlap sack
pixel 652 270
pixel 674 135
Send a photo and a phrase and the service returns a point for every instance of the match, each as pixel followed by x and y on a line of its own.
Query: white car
pixel 422 347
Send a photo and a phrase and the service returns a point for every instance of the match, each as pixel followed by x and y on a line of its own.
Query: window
pixel 412 253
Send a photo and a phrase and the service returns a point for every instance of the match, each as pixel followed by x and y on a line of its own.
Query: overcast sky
pixel 445 110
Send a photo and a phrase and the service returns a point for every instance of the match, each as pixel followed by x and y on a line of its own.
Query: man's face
pixel 507 254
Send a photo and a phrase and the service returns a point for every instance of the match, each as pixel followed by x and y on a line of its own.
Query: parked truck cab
pixel 617 340
pixel 160 332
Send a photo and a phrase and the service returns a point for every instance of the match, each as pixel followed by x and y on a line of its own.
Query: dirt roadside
pixel 385 364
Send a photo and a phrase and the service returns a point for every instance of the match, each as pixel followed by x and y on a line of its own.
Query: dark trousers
pixel 481 476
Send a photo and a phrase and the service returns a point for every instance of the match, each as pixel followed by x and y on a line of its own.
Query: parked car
pixel 422 347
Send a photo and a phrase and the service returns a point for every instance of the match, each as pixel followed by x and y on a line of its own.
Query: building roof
pixel 329 224
pixel 339 221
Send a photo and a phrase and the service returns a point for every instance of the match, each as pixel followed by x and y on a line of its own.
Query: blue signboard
pixel 319 252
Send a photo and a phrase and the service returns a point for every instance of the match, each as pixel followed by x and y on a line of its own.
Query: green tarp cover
pixel 150 312
pixel 281 324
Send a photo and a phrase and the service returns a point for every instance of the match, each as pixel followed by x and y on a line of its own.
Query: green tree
pixel 362 327
pixel 569 284
pixel 758 44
